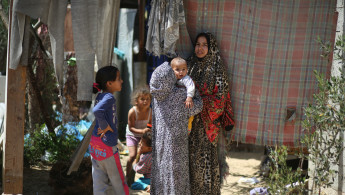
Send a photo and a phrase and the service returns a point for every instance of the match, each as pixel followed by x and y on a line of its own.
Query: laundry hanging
pixel 163 26
pixel 94 28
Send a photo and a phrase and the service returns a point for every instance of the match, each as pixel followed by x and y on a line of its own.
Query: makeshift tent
pixel 271 52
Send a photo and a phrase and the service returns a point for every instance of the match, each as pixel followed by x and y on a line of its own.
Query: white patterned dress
pixel 170 166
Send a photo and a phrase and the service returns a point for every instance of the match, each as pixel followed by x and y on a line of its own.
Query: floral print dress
pixel 170 157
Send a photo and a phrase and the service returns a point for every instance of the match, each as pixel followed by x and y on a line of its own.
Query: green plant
pixel 39 144
pixel 324 125
pixel 281 175
pixel 34 145
pixel 72 61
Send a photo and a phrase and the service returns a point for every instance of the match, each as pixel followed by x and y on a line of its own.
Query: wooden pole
pixel 13 150
pixel 79 153
pixel 13 145
pixel 141 55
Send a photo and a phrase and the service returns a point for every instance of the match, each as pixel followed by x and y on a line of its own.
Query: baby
pixel 179 66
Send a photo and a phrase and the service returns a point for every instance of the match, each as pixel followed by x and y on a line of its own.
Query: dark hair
pixel 103 75
pixel 147 138
pixel 203 34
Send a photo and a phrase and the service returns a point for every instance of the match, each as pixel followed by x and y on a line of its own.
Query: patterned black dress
pixel 207 155
pixel 170 166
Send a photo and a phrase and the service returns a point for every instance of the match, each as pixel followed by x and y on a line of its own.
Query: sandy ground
pixel 242 164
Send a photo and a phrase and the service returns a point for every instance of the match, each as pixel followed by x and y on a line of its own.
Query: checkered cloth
pixel 270 50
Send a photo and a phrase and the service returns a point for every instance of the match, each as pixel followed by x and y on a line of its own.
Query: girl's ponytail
pixel 96 88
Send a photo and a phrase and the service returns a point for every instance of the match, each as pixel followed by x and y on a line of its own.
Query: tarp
pixel 50 12
pixel 94 31
pixel 271 51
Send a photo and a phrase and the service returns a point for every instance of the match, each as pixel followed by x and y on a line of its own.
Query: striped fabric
pixel 144 165
pixel 270 50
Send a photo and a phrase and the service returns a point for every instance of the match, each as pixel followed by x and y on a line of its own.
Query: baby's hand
pixel 189 102
pixel 102 132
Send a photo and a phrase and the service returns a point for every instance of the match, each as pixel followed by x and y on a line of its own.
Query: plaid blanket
pixel 270 50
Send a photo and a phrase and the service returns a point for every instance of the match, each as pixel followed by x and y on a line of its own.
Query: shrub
pixel 39 146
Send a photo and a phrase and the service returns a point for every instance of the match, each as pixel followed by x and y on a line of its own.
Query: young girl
pixel 143 163
pixel 138 118
pixel 107 174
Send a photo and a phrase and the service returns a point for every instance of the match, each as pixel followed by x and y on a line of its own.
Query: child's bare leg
pixel 132 155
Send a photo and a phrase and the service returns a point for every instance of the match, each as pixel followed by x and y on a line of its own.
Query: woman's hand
pixel 102 132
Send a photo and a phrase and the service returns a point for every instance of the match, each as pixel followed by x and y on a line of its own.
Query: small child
pixel 138 117
pixel 107 174
pixel 143 163
pixel 179 66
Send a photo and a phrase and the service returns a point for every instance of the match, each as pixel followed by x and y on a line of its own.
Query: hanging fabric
pixel 163 26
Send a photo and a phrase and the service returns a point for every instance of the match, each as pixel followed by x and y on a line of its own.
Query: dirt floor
pixel 243 164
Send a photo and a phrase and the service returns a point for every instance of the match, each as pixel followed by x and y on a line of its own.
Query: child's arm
pixel 189 84
pixel 142 149
pixel 143 164
pixel 100 111
pixel 137 158
pixel 103 131
pixel 150 120
pixel 131 123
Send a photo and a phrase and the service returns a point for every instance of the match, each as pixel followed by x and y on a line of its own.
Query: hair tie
pixel 95 85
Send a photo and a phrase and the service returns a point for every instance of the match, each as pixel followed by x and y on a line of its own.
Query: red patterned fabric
pixel 212 82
